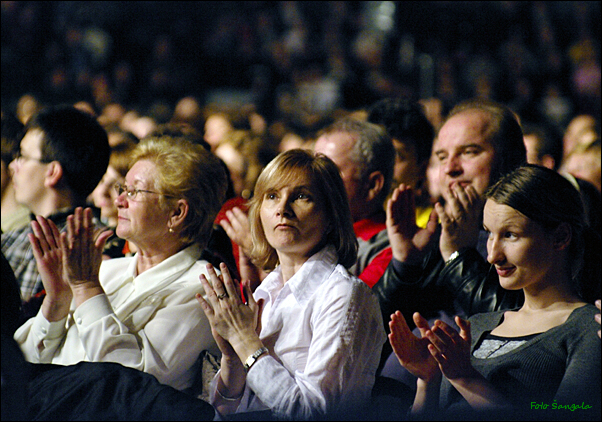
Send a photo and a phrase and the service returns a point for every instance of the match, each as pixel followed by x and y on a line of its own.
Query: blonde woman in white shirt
pixel 313 349
pixel 138 311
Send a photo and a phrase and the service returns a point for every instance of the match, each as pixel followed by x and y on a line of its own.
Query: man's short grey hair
pixel 372 151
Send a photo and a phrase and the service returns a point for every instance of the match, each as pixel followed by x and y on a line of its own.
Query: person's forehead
pixel 406 146
pixel 336 143
pixel 338 147
pixel 142 172
pixel 464 128
pixel 290 178
pixel 32 141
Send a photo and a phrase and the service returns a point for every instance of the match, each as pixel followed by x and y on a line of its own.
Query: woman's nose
pixel 120 200
pixel 494 252
pixel 283 207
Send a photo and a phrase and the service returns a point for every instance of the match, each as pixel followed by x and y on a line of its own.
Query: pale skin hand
pixel 235 327
pixel 412 351
pixel 451 350
pixel 82 246
pixel 234 321
pixel 408 241
pixel 461 219
pixel 238 230
pixel 413 354
pixel 47 252
pixel 249 271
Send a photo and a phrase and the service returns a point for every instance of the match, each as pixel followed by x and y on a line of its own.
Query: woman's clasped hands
pixel 232 311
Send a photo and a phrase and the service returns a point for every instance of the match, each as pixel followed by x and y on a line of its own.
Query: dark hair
pixel 549 199
pixel 503 131
pixel 405 122
pixel 78 142
pixel 549 141
pixel 12 133
pixel 326 178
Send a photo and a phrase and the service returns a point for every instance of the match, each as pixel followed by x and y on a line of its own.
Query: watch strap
pixel 253 358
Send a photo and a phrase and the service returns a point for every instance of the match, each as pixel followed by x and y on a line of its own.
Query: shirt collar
pixel 166 271
pixel 306 280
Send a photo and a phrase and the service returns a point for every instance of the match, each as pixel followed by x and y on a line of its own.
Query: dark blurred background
pixel 541 58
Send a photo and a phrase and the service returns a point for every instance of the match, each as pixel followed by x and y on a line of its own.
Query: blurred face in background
pixel 216 128
pixel 104 196
pixel 338 147
pixel 406 169
pixel 585 165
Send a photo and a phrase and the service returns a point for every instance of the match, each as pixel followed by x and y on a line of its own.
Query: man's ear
pixel 562 236
pixel 178 214
pixel 376 182
pixel 54 174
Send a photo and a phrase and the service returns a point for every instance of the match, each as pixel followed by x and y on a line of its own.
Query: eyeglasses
pixel 132 192
pixel 20 157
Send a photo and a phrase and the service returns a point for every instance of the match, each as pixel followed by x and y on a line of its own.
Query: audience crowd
pixel 223 208
pixel 299 61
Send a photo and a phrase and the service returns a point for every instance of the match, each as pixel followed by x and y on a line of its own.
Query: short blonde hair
pixel 187 171
pixel 325 177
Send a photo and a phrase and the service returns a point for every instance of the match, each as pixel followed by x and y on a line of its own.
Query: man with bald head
pixel 439 271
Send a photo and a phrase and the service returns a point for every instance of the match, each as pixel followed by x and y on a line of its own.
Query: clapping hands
pixel 412 351
pixel 45 242
pixel 461 219
pixel 451 349
pixel 232 320
pixel 82 246
pixel 68 261
pixel 440 350
pixel 408 241
pixel 237 227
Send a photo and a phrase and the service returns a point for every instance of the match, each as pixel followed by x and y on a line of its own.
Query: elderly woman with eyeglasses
pixel 138 311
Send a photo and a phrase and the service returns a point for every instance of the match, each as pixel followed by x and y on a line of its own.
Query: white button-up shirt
pixel 151 322
pixel 325 334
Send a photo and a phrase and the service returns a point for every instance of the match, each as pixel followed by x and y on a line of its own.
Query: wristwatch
pixel 253 358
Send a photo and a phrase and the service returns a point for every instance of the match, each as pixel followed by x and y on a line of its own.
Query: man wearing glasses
pixel 63 155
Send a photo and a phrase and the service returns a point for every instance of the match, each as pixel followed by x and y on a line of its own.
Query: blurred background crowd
pixel 285 69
